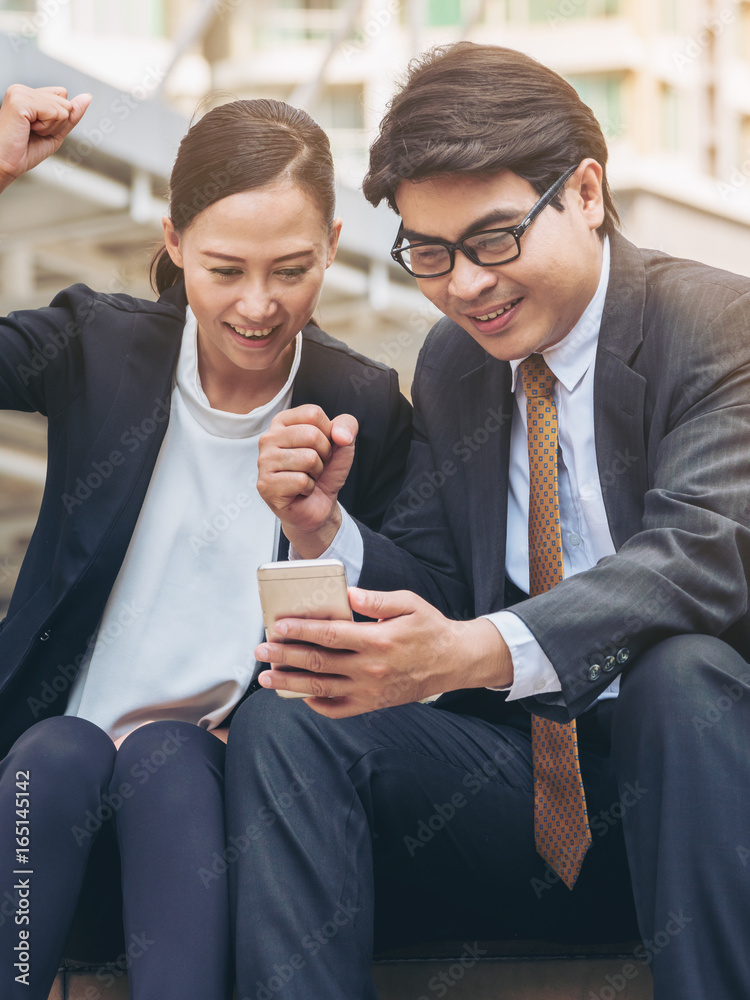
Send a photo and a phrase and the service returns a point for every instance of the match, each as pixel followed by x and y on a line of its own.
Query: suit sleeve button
pixel 44 636
pixel 594 671
pixel 609 664
pixel 623 655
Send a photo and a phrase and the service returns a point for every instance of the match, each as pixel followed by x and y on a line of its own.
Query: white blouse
pixel 177 635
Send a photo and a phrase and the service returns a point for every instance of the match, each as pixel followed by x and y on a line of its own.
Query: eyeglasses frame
pixel 515 231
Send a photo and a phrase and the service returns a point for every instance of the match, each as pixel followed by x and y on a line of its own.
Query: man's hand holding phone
pixel 410 653
pixel 303 462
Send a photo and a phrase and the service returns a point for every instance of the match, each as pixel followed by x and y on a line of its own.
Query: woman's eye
pixel 225 272
pixel 292 272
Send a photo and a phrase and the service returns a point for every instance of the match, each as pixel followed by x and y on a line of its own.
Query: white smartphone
pixel 304 588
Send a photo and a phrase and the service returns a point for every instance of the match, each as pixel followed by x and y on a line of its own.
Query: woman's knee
pixel 65 747
pixel 171 759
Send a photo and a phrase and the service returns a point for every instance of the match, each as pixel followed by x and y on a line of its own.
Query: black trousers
pixel 417 821
pixel 154 809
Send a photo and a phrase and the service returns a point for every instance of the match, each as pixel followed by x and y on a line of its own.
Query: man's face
pixel 519 308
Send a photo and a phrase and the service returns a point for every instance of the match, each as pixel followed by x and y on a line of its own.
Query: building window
pixel 545 10
pixel 603 92
pixel 670 138
pixel 441 12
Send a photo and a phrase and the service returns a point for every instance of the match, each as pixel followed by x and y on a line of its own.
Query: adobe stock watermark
pixel 100 471
pixel 114 800
pixel 473 782
pixel 221 520
pixel 738 179
pixel 107 975
pixel 371 28
pixel 440 984
pixel 709 31
pixel 644 954
pixel 267 816
pixel 62 679
pixel 432 481
pixel 716 711
pixel 46 11
pixel 601 824
pixel 89 136
pixel 283 972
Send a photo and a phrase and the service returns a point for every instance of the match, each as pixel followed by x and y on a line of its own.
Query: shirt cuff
pixel 347 546
pixel 533 673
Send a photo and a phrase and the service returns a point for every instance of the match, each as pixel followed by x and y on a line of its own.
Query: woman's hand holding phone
pixel 33 123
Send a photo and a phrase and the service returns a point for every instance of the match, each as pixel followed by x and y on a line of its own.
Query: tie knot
pixel 538 380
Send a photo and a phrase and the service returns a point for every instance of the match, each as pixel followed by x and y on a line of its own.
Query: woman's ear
pixel 333 241
pixel 172 241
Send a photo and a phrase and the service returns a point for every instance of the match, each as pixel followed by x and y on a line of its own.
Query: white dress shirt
pixel 585 532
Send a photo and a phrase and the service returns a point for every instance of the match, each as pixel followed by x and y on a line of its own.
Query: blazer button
pixel 609 664
pixel 623 655
pixel 44 636
pixel 594 671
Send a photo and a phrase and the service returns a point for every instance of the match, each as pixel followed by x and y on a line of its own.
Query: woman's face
pixel 254 265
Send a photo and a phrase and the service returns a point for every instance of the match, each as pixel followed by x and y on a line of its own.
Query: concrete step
pixel 467 970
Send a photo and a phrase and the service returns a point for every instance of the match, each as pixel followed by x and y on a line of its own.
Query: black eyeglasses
pixel 489 248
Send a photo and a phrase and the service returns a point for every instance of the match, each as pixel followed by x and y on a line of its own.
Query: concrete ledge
pixel 469 970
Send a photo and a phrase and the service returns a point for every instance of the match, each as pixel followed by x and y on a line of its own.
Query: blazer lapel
pixel 486 413
pixel 619 394
pixel 130 435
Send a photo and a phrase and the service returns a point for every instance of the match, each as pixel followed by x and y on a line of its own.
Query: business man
pixel 582 458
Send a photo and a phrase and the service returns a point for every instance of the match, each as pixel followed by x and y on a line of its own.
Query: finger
pixel 332 635
pixel 62 125
pixel 291 654
pixel 344 429
pixel 307 413
pixel 381 604
pixel 298 436
pixel 311 685
pixel 294 460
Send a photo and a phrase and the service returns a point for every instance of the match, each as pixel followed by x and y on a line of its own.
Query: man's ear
pixel 172 241
pixel 588 189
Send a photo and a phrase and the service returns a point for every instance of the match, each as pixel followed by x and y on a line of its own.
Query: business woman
pixel 128 642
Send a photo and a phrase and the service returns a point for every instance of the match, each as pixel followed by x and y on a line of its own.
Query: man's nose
pixel 468 280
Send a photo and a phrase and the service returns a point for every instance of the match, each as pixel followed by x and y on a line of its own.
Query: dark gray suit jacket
pixel 672 431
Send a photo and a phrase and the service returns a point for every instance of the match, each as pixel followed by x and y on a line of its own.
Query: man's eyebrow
pixel 497 218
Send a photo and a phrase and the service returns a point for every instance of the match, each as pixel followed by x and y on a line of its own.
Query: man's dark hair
pixel 480 109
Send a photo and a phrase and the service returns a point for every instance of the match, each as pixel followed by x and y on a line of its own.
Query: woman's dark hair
pixel 237 147
pixel 479 109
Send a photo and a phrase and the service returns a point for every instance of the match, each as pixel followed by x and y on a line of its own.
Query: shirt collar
pixel 571 358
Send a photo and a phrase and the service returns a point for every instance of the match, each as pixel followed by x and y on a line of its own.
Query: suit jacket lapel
pixel 619 394
pixel 485 417
pixel 133 431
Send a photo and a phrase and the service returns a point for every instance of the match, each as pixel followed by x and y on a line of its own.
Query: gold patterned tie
pixel 561 826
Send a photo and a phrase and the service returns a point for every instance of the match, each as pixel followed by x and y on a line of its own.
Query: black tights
pixel 161 798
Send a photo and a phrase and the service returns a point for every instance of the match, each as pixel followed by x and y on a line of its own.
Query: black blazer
pixel 672 432
pixel 101 368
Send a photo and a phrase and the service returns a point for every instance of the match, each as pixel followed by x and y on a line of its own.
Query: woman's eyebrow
pixel 227 256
